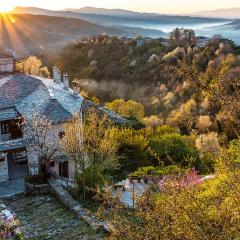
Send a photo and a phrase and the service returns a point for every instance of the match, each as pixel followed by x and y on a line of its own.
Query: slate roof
pixel 28 95
pixel 56 113
pixel 86 105
pixel 8 114
pixel 13 145
pixel 4 55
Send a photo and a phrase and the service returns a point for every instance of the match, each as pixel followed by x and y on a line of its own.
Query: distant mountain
pixel 235 25
pixel 230 13
pixel 105 20
pixel 116 16
pixel 41 11
pixel 134 23
pixel 101 11
pixel 144 32
pixel 27 33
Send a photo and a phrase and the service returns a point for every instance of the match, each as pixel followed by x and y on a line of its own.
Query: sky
pixel 158 6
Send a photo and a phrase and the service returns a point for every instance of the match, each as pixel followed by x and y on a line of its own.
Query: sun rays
pixel 12 34
pixel 6 7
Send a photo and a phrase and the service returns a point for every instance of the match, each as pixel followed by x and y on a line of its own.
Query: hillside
pixel 234 25
pixel 108 20
pixel 167 80
pixel 113 16
pixel 101 11
pixel 230 13
pixel 134 24
pixel 26 33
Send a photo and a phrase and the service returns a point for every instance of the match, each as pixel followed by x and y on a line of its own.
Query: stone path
pixel 75 207
pixel 45 218
pixel 126 195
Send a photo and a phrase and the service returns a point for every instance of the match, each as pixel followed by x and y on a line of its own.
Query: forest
pixel 182 102
pixel 180 82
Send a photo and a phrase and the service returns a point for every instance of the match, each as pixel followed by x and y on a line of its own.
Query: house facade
pixel 6 63
pixel 21 96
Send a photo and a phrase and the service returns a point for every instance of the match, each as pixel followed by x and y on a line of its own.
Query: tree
pixel 41 139
pixel 204 123
pixel 153 121
pixel 172 149
pixel 182 38
pixel 208 144
pixel 227 97
pixel 32 66
pixel 175 37
pixel 99 141
pixel 184 207
pixel 132 149
pixel 129 109
pixel 188 38
pixel 185 116
pixel 93 148
pixel 72 143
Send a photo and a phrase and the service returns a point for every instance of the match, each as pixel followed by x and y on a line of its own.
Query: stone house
pixel 6 63
pixel 20 95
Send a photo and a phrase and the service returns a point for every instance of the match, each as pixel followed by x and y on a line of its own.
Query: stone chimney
pixel 56 75
pixel 66 81
pixel 76 88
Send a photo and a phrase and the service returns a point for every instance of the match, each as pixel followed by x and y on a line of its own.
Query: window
pixel 5 128
pixel 52 164
pixel 63 169
pixel 61 134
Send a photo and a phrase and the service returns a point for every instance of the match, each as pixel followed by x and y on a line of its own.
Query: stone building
pixel 20 95
pixel 6 63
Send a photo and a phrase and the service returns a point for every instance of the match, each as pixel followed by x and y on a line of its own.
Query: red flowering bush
pixel 9 225
pixel 177 183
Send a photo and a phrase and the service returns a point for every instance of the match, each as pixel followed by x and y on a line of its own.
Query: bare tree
pixel 183 38
pixel 42 141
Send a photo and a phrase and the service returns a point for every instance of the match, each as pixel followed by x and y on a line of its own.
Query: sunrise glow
pixel 5 7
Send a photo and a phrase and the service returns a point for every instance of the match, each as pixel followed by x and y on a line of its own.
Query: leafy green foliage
pixel 166 129
pixel 173 149
pixel 129 109
pixel 157 171
pixel 207 209
pixel 195 83
pixel 132 149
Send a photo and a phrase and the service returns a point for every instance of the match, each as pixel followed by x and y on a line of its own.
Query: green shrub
pixel 166 129
pixel 36 179
pixel 174 149
pixel 156 171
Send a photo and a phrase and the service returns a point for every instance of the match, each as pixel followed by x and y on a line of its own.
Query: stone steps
pixel 44 217
pixel 76 208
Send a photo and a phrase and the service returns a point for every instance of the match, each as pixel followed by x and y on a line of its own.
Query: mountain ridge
pixel 35 33
pixel 102 11
pixel 230 13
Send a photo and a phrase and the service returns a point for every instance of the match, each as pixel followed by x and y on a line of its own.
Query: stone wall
pixel 31 189
pixel 76 208
pixel 3 167
pixel 6 65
